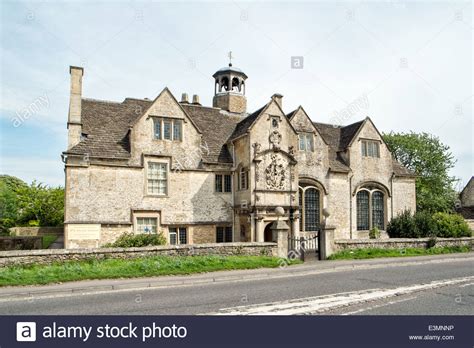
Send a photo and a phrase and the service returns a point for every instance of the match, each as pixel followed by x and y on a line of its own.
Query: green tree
pixel 431 161
pixel 41 205
pixel 9 203
pixel 35 204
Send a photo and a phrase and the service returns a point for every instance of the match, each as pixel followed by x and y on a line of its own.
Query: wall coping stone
pixel 49 252
pixel 400 240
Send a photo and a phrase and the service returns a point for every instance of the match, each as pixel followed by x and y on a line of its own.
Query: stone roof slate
pixel 217 127
pixel 106 126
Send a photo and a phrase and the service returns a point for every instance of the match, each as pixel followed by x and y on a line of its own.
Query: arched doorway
pixel 268 233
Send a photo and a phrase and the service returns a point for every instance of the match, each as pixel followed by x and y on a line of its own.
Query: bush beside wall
pixel 423 224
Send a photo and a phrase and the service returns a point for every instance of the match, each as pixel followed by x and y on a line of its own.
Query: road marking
pixel 318 304
pixel 464 285
pixel 379 305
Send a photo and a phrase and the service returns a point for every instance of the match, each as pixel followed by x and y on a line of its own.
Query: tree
pixel 35 204
pixel 9 204
pixel 431 161
pixel 41 205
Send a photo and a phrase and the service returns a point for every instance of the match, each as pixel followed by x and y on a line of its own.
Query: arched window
pixel 378 210
pixel 310 209
pixel 370 209
pixel 363 210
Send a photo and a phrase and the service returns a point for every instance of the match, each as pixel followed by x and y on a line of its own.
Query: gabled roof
pixel 107 125
pixel 338 137
pixel 217 127
pixel 469 183
pixel 244 125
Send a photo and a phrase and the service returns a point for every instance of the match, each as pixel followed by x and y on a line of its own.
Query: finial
pixel 230 58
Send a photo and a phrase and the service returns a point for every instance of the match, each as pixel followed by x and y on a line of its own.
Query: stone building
pixel 465 205
pixel 202 174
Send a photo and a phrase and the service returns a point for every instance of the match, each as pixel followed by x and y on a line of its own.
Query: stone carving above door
pixel 276 173
pixel 275 139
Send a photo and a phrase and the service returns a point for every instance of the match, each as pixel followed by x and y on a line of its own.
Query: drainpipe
pixel 233 191
pixel 391 196
pixel 350 205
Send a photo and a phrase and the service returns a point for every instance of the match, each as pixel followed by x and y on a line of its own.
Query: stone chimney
pixel 74 123
pixel 278 99
pixel 184 98
pixel 196 100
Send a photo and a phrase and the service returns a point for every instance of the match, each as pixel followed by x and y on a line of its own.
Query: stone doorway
pixel 268 233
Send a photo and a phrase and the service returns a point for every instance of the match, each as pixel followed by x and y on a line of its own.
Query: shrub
pixel 131 240
pixel 451 225
pixel 423 225
pixel 374 233
pixel 402 226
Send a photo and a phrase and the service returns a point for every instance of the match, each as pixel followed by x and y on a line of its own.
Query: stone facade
pixel 222 171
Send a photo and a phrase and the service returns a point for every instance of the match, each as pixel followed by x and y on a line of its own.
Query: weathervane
pixel 230 57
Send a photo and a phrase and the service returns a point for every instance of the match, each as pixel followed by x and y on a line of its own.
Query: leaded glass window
pixel 173 236
pixel 146 225
pixel 218 183
pixel 178 235
pixel 227 183
pixel 378 210
pixel 311 209
pixel 363 210
pixel 370 148
pixel 177 130
pixel 183 236
pixel 224 234
pixel 157 123
pixel 223 183
pixel 306 142
pixel 301 208
pixel 157 178
pixel 167 129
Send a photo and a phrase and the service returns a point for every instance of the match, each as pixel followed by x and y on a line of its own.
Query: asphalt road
pixel 453 295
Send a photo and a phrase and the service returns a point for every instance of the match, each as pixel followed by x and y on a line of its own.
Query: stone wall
pixel 230 102
pixel 398 243
pixel 20 243
pixel 46 257
pixel 36 231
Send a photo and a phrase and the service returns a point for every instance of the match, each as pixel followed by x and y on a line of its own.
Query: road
pixel 442 285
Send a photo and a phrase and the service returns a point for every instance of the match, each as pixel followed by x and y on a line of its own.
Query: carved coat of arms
pixel 275 174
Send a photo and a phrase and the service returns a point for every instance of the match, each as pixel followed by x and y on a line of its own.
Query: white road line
pixel 318 304
pixel 464 285
pixel 379 305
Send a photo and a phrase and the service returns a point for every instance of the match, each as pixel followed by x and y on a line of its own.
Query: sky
pixel 405 64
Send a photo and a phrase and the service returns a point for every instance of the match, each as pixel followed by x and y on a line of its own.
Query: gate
pixel 304 247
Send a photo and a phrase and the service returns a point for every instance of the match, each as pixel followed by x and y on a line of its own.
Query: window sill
pixel 156 195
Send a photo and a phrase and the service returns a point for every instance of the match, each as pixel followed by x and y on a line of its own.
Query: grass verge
pixel 48 240
pixel 374 252
pixel 141 267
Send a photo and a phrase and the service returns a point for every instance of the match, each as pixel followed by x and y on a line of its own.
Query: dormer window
pixel 370 148
pixel 306 142
pixel 168 129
